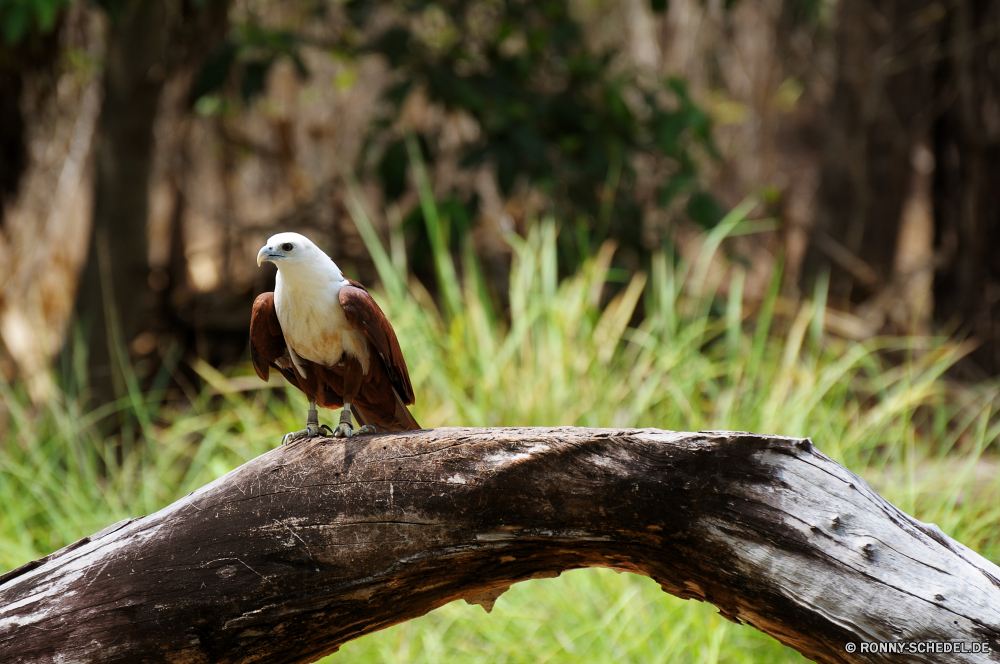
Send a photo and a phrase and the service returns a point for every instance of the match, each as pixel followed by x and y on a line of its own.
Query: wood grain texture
pixel 319 542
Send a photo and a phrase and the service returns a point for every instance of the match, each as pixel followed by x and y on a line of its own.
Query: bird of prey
pixel 326 335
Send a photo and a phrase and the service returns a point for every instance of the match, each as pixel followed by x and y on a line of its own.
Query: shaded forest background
pixel 149 149
pixel 765 215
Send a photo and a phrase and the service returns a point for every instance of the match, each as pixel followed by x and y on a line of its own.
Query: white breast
pixel 314 323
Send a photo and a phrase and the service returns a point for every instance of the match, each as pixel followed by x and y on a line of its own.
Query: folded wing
pixel 267 343
pixel 361 310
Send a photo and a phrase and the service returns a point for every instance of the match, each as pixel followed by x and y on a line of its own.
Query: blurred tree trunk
pixel 967 183
pixel 913 73
pixel 147 41
pixel 114 294
pixel 880 107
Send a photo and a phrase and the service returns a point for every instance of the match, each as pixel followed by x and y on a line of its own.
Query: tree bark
pixel 316 543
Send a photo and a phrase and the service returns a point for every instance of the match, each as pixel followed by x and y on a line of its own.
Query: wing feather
pixel 362 310
pixel 267 342
pixel 399 420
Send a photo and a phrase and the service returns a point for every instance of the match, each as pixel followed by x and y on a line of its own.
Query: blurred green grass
pixel 696 361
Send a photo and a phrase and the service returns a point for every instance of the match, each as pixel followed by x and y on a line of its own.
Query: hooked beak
pixel 267 255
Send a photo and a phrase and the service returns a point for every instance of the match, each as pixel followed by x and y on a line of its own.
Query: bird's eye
pixel 288 246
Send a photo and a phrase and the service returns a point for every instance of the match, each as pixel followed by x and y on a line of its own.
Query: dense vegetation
pixel 695 362
pixel 567 345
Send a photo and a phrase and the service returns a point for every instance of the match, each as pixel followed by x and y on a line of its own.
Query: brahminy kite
pixel 326 335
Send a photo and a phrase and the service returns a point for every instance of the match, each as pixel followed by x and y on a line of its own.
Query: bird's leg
pixel 353 375
pixel 312 430
pixel 344 429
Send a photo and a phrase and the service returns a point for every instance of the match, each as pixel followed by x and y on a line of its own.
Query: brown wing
pixel 267 342
pixel 361 310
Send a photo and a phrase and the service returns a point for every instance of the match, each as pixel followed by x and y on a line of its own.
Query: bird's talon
pixel 346 431
pixel 311 431
pixel 315 430
pixel 292 436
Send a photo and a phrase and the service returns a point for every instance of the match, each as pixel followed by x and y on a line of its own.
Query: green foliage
pixel 704 209
pixel 18 18
pixel 21 18
pixel 564 358
pixel 805 11
pixel 552 112
pixel 242 61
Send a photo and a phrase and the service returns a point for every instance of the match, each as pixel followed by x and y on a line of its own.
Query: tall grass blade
pixel 437 231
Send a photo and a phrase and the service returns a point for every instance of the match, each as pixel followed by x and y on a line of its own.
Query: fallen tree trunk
pixel 319 542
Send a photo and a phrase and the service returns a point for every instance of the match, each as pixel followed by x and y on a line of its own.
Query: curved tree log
pixel 317 543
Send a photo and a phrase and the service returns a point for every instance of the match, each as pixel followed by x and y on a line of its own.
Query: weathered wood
pixel 317 543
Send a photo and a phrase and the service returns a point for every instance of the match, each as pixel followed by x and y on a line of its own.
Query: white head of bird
pixel 295 255
pixel 306 299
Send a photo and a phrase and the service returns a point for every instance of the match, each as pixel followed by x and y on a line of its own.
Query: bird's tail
pixel 400 420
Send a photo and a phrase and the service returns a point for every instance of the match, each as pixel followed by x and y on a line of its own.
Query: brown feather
pixel 265 346
pixel 400 420
pixel 364 313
